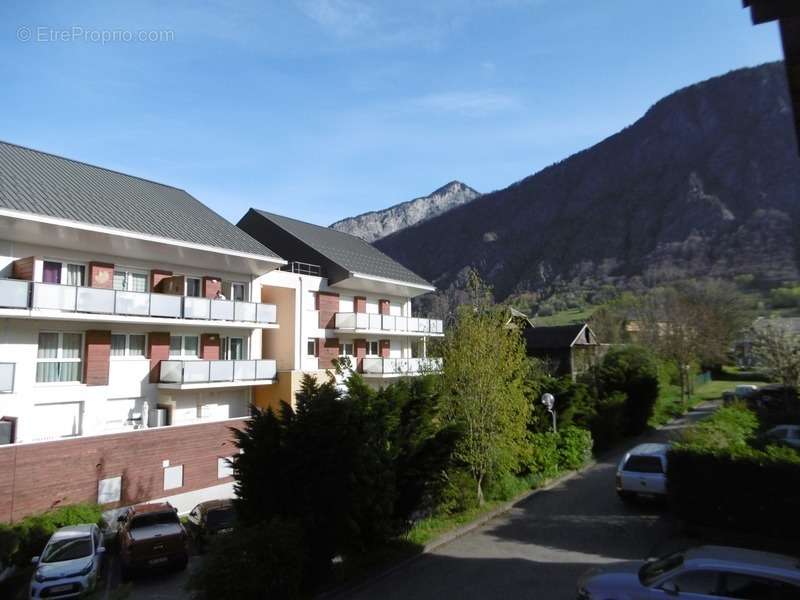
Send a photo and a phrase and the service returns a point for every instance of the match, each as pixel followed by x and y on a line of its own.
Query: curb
pixel 458 532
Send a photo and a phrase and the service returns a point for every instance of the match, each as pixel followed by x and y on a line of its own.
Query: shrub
pixel 633 371
pixel 729 429
pixel 544 454
pixel 507 487
pixel 574 447
pixel 458 493
pixel 608 422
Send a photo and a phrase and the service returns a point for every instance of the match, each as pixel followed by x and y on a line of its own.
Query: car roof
pixel 649 450
pixel 728 556
pixel 152 507
pixel 75 531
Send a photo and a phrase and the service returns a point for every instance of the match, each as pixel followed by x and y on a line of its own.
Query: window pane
pixel 136 345
pixel 119 280
pixel 47 372
pixel 117 345
pixel 237 291
pixel 644 464
pixel 175 345
pixel 193 287
pixel 52 272
pixel 697 582
pixel 48 345
pixel 71 345
pixel 138 282
pixel 190 345
pixel 311 347
pixel 75 274
pixel 237 349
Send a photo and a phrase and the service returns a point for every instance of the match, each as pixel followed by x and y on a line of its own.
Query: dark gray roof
pixel 348 251
pixel 552 338
pixel 45 184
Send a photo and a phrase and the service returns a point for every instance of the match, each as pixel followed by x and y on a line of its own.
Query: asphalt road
pixel 540 547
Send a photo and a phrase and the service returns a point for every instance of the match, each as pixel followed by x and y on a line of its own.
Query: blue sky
pixel 322 109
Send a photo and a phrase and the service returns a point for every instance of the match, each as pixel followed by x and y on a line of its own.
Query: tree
pixel 778 351
pixel 483 390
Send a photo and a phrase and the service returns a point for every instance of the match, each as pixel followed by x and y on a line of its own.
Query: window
pixel 238 292
pixel 173 477
pixel 193 287
pixel 346 349
pixel 311 347
pixel 131 281
pixel 644 464
pixel 109 490
pixel 696 582
pixel 58 357
pixel 233 348
pixel 184 345
pixel 749 587
pixel 372 348
pixel 66 273
pixel 128 344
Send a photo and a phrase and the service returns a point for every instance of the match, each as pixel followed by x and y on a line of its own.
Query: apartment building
pixel 127 307
pixel 338 297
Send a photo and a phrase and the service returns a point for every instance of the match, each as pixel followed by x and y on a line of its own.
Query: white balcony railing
pixel 389 323
pixel 400 366
pixel 52 296
pixel 7 377
pixel 216 371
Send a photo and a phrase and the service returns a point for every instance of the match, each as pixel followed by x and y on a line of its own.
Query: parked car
pixel 151 535
pixel 69 564
pixel 704 572
pixel 643 472
pixel 209 519
pixel 784 434
pixel 741 392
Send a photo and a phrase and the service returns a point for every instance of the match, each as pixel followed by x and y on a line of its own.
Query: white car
pixel 643 472
pixel 785 434
pixel 69 563
pixel 707 572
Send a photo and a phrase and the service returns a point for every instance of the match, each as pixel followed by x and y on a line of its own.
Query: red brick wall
pixel 156 277
pixel 327 349
pixel 157 350
pixel 101 275
pixel 211 285
pixel 383 306
pixel 40 476
pixel 360 304
pixel 328 306
pixel 97 354
pixel 209 346
pixel 384 346
pixel 22 268
pixel 360 348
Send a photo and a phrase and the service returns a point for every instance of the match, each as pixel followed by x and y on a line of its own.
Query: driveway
pixel 540 547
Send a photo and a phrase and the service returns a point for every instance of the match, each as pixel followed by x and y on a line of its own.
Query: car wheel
pixel 626 496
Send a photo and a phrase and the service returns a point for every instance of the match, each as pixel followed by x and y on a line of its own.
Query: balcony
pixel 98 301
pixel 387 324
pixel 195 374
pixel 398 367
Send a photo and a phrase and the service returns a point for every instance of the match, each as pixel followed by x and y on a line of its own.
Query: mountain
pixel 374 225
pixel 706 183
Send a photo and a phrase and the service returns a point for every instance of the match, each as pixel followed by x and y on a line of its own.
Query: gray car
pixel 707 572
pixel 69 564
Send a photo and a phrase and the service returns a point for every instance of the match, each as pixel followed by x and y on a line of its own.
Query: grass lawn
pixel 566 317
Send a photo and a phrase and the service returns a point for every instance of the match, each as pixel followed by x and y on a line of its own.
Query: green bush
pixel 785 297
pixel 544 454
pixel 633 371
pixel 574 447
pixel 458 494
pixel 20 542
pixel 730 428
pixel 608 422
pixel 507 487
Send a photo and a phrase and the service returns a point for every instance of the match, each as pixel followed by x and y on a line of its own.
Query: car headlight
pixel 39 577
pixel 87 569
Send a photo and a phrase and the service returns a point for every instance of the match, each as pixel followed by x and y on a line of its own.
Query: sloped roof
pixel 551 338
pixel 45 184
pixel 348 251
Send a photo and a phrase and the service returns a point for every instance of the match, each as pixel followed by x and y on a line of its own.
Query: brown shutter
pixel 157 350
pixel 97 355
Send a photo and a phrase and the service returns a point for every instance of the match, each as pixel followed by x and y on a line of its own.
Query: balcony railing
pixel 24 294
pixel 401 366
pixel 388 323
pixel 7 378
pixel 216 371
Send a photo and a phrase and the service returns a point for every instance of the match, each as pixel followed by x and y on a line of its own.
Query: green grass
pixel 432 527
pixel 566 317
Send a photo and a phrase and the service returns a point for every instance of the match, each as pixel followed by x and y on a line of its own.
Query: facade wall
pixel 37 477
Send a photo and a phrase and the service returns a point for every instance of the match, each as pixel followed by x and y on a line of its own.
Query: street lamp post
pixel 550 401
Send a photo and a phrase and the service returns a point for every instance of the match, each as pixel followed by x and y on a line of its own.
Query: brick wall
pixel 39 476
pixel 209 346
pixel 384 346
pixel 360 304
pixel 328 349
pixel 97 354
pixel 211 285
pixel 156 277
pixel 360 348
pixel 383 306
pixel 157 350
pixel 101 275
pixel 22 268
pixel 328 306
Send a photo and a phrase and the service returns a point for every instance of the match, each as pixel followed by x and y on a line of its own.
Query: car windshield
pixel 67 549
pixel 644 464
pixel 150 519
pixel 220 518
pixel 654 569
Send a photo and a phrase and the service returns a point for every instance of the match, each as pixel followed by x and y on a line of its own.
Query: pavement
pixel 540 547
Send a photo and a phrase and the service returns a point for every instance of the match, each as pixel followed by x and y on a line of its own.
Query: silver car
pixel 785 434
pixel 643 471
pixel 711 572
pixel 69 564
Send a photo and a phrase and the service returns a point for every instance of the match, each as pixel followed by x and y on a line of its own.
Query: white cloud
pixel 468 103
pixel 342 17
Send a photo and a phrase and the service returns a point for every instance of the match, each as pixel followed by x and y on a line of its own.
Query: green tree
pixel 778 353
pixel 483 389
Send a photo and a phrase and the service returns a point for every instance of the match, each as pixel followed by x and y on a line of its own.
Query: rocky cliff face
pixel 706 183
pixel 375 225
